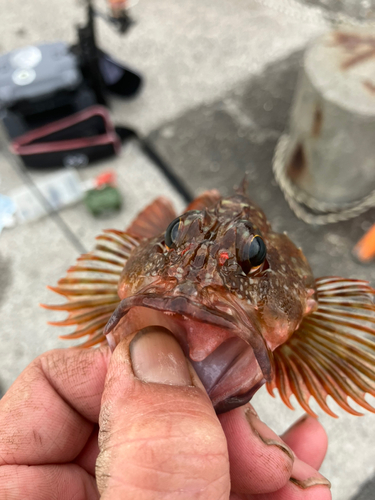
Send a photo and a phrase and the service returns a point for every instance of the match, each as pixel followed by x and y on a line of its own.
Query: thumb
pixel 159 436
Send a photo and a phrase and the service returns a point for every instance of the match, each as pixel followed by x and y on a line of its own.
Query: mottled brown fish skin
pixel 203 266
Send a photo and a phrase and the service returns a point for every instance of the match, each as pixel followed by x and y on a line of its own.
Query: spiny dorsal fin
pixel 333 351
pixel 243 186
pixel 90 287
pixel 153 220
pixel 205 200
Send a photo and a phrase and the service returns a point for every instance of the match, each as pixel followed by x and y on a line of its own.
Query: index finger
pixel 49 412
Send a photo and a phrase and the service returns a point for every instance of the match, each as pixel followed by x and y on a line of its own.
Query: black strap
pixel 126 133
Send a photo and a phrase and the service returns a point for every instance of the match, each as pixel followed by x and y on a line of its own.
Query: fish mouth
pixel 230 358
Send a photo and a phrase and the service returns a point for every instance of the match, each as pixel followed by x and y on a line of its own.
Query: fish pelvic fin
pixel 153 220
pixel 90 287
pixel 332 353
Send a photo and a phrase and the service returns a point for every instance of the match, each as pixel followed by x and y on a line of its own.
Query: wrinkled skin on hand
pixel 156 440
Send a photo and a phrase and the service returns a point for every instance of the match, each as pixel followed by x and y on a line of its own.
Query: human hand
pixel 159 435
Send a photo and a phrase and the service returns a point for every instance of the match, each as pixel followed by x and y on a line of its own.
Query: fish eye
pixel 252 254
pixel 257 251
pixel 171 233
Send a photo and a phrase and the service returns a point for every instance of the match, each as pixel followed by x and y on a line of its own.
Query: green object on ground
pixel 103 200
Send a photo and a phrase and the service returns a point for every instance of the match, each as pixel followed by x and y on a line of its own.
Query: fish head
pixel 226 287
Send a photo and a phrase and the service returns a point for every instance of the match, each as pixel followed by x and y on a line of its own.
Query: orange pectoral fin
pixel 90 287
pixel 333 351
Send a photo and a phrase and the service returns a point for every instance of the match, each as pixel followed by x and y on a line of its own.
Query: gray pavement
pixel 220 76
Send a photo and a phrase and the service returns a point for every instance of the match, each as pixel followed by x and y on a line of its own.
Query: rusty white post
pixel 331 149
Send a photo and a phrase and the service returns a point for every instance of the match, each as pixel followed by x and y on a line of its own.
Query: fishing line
pixel 52 212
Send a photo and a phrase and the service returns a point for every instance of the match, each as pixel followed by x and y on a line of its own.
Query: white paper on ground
pixel 59 190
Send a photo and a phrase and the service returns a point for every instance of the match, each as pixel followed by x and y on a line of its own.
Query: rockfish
pixel 240 299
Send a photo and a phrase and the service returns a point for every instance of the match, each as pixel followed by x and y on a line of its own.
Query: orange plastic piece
pixel 117 6
pixel 118 3
pixel 106 178
pixel 365 248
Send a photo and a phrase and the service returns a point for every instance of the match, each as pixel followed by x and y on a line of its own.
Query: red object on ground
pixel 106 178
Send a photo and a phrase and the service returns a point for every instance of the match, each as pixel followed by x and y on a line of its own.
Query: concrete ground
pixel 219 79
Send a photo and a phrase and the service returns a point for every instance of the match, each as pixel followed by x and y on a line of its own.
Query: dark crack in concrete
pixel 367 491
pixel 5 277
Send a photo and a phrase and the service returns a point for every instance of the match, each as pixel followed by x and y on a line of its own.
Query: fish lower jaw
pixel 225 363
